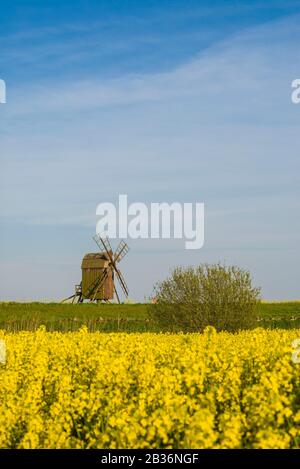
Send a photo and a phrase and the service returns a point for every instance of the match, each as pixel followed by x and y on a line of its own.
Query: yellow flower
pixel 108 390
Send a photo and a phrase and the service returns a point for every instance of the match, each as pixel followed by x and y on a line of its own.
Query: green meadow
pixel 114 317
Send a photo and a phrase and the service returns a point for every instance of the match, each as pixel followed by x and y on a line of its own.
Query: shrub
pixel 195 297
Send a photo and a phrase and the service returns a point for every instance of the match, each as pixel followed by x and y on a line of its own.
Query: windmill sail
pixel 122 250
pixel 122 282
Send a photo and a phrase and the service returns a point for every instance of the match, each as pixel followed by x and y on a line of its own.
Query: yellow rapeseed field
pixel 99 390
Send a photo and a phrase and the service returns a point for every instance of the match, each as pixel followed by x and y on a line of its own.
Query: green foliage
pixel 216 295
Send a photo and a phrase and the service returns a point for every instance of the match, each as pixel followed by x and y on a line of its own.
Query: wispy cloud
pixel 238 69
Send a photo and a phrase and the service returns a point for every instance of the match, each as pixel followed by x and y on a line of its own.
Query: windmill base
pixel 77 297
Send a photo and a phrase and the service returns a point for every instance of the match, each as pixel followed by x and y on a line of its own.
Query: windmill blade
pixel 103 243
pixel 121 251
pixel 122 282
pixel 101 282
pixel 115 290
pixel 94 288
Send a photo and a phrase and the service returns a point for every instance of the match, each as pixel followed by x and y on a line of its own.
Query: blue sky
pixel 163 101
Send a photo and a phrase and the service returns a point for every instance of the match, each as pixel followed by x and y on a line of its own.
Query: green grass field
pixel 114 317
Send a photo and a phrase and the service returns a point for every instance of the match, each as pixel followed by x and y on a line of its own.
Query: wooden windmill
pixel 99 271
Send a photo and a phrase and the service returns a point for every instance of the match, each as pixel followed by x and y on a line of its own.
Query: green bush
pixel 195 297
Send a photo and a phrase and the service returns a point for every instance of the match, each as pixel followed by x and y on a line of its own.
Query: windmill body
pixel 95 266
